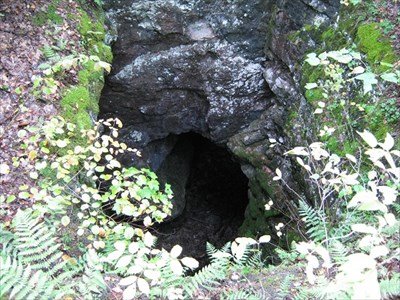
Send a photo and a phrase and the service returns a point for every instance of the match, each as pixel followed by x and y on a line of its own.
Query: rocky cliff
pixel 225 69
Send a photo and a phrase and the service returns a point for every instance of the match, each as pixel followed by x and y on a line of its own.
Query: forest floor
pixel 24 36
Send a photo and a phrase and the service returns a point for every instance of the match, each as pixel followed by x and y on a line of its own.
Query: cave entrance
pixel 216 199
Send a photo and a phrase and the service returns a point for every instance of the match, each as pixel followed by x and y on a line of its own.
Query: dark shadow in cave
pixel 216 198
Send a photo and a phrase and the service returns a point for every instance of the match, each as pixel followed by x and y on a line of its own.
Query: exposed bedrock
pixel 226 70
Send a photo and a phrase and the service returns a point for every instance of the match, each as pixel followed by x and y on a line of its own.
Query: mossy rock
pixel 93 34
pixel 76 106
pixel 376 47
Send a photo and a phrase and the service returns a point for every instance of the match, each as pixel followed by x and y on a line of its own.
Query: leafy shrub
pixel 355 211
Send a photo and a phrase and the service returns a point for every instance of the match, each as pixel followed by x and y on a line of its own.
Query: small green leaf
pixel 391 77
pixel 11 198
pixel 65 220
pixel 313 60
pixel 310 85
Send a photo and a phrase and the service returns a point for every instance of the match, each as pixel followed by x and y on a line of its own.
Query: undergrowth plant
pixel 352 224
pixel 32 265
pixel 348 97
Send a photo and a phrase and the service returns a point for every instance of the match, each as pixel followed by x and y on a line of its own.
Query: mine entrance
pixel 216 199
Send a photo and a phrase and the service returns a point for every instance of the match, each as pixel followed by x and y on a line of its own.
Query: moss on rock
pixel 76 106
pixel 376 47
pixel 93 34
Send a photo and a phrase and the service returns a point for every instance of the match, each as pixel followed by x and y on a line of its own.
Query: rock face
pixel 224 69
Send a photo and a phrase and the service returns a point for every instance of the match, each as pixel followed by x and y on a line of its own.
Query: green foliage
pixel 284 289
pixel 76 108
pixel 315 220
pixel 49 52
pixel 50 15
pixel 387 110
pixel 362 221
pixel 210 274
pixel 376 47
pixel 31 264
pixel 93 34
pixel 345 98
pixel 240 294
pixel 390 288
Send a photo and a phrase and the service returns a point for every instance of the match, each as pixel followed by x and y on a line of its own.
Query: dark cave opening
pixel 216 198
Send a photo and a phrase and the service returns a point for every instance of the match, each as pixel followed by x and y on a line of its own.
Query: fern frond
pixel 208 275
pixel 31 265
pixel 48 52
pixel 285 286
pixel 240 294
pixel 315 221
pixel 396 207
pixel 255 261
pixel 390 288
pixel 338 252
pixel 18 281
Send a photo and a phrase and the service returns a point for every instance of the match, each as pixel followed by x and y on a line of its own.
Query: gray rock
pixel 225 69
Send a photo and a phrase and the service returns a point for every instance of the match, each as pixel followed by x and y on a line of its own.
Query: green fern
pixel 241 294
pixel 17 280
pixel 338 252
pixel 396 208
pixel 390 288
pixel 284 289
pixel 31 264
pixel 49 52
pixel 315 221
pixel 210 274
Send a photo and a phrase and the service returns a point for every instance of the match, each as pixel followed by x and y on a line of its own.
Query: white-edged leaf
pixel 358 70
pixel 4 169
pixel 143 286
pixel 245 241
pixel 120 246
pixel 369 138
pixel 264 239
pixel 128 280
pixel 114 255
pixel 310 85
pixel 129 293
pixel 278 175
pixel 388 143
pixel 351 158
pixel 190 262
pixel 65 220
pixel 123 261
pixel 368 80
pixel 149 239
pixel 152 274
pixel 363 228
pixel 147 221
pixel 176 267
pixel 362 197
pixel 379 251
pixel 313 60
pixel 176 251
pixel 133 247
pixel 135 269
pixel 297 151
pixel 318 111
pixel 129 233
pixel 389 194
pixel 391 77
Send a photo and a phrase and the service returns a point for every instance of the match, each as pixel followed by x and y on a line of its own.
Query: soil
pixel 20 57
